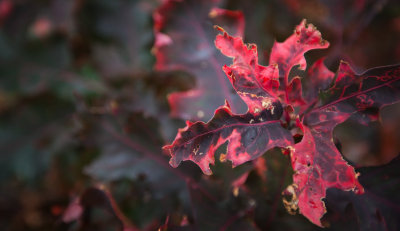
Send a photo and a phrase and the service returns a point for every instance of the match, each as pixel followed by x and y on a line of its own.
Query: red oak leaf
pixel 249 135
pixel 291 53
pixel 317 163
pixel 376 87
pixel 184 37
pixel 353 94
pixel 319 78
pixel 255 84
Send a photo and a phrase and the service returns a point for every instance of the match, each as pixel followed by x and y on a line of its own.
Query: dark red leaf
pixel 319 78
pixel 295 92
pixel 318 165
pixel 353 94
pixel 255 84
pixel 249 136
pixel 378 208
pixel 374 88
pixel 291 53
pixel 317 162
pixel 184 41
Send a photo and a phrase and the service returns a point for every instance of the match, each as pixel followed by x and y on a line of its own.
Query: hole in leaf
pixel 297 138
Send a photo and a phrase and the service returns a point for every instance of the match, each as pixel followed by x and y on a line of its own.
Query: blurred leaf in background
pixel 84 114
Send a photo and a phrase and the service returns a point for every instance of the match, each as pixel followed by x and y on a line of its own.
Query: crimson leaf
pixel 291 53
pixel 319 78
pixel 249 136
pixel 317 163
pixel 254 83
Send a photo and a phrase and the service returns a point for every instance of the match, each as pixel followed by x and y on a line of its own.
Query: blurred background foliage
pixel 83 117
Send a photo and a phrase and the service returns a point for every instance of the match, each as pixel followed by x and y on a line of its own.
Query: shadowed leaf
pixel 184 41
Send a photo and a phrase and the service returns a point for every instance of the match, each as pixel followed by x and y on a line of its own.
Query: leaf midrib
pixel 228 126
pixel 355 94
